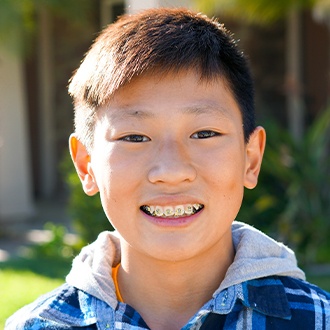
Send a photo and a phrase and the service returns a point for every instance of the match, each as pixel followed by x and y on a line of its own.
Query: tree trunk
pixel 46 104
pixel 294 76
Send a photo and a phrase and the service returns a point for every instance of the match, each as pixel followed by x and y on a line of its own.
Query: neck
pixel 166 293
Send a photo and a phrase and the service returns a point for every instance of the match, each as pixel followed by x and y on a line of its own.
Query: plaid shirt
pixel 266 303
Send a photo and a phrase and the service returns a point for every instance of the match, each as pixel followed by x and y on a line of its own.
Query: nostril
pixel 172 172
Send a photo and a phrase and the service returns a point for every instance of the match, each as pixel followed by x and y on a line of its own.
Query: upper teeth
pixel 172 211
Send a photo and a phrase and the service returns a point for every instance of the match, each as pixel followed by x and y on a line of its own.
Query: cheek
pixel 227 166
pixel 117 178
pixel 226 175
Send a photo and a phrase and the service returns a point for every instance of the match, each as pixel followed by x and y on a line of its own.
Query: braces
pixel 170 211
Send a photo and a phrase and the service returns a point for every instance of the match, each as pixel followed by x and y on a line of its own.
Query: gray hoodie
pixel 257 256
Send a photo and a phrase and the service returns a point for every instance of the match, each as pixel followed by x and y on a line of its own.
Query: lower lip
pixel 172 222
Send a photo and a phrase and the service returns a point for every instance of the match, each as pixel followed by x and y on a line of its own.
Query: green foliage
pixel 323 281
pixel 58 247
pixel 292 200
pixel 18 19
pixel 88 216
pixel 16 24
pixel 51 257
pixel 257 11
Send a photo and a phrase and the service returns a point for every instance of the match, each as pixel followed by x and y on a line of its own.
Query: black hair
pixel 161 40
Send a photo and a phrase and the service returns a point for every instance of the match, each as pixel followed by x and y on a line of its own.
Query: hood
pixel 257 255
pixel 91 270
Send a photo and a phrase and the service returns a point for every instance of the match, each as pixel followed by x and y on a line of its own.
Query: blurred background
pixel 43 41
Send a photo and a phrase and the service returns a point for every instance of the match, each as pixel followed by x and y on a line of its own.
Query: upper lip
pixel 172 200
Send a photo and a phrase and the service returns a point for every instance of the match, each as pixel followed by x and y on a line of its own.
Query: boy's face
pixel 167 144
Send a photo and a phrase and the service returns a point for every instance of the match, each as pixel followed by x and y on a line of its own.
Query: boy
pixel 165 132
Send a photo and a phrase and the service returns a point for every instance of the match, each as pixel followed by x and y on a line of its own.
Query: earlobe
pixel 81 161
pixel 254 153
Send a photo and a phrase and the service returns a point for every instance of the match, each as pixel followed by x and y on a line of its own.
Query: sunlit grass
pixel 20 287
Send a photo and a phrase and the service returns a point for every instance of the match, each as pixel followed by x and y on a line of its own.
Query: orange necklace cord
pixel 115 280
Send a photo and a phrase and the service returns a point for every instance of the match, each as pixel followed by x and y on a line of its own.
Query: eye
pixel 204 134
pixel 135 138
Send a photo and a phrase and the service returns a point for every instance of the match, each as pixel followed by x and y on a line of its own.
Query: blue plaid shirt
pixel 266 303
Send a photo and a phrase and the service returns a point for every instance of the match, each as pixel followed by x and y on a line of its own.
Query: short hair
pixel 158 40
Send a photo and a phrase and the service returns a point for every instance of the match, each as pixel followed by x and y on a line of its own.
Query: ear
pixel 254 153
pixel 82 163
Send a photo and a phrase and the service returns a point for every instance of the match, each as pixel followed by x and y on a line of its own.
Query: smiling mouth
pixel 178 211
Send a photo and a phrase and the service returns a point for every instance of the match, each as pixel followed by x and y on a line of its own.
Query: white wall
pixel 15 176
pixel 136 5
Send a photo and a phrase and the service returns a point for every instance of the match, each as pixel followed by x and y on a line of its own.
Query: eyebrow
pixel 206 108
pixel 198 109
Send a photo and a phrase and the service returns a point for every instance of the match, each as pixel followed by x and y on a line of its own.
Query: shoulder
pixel 309 304
pixel 283 302
pixel 63 308
pixel 301 293
pixel 299 288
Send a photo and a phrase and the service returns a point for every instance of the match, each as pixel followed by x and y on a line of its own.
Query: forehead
pixel 185 91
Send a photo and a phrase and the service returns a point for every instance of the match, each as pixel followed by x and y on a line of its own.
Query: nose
pixel 172 165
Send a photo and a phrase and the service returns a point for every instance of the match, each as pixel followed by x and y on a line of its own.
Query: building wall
pixel 15 172
pixel 135 5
